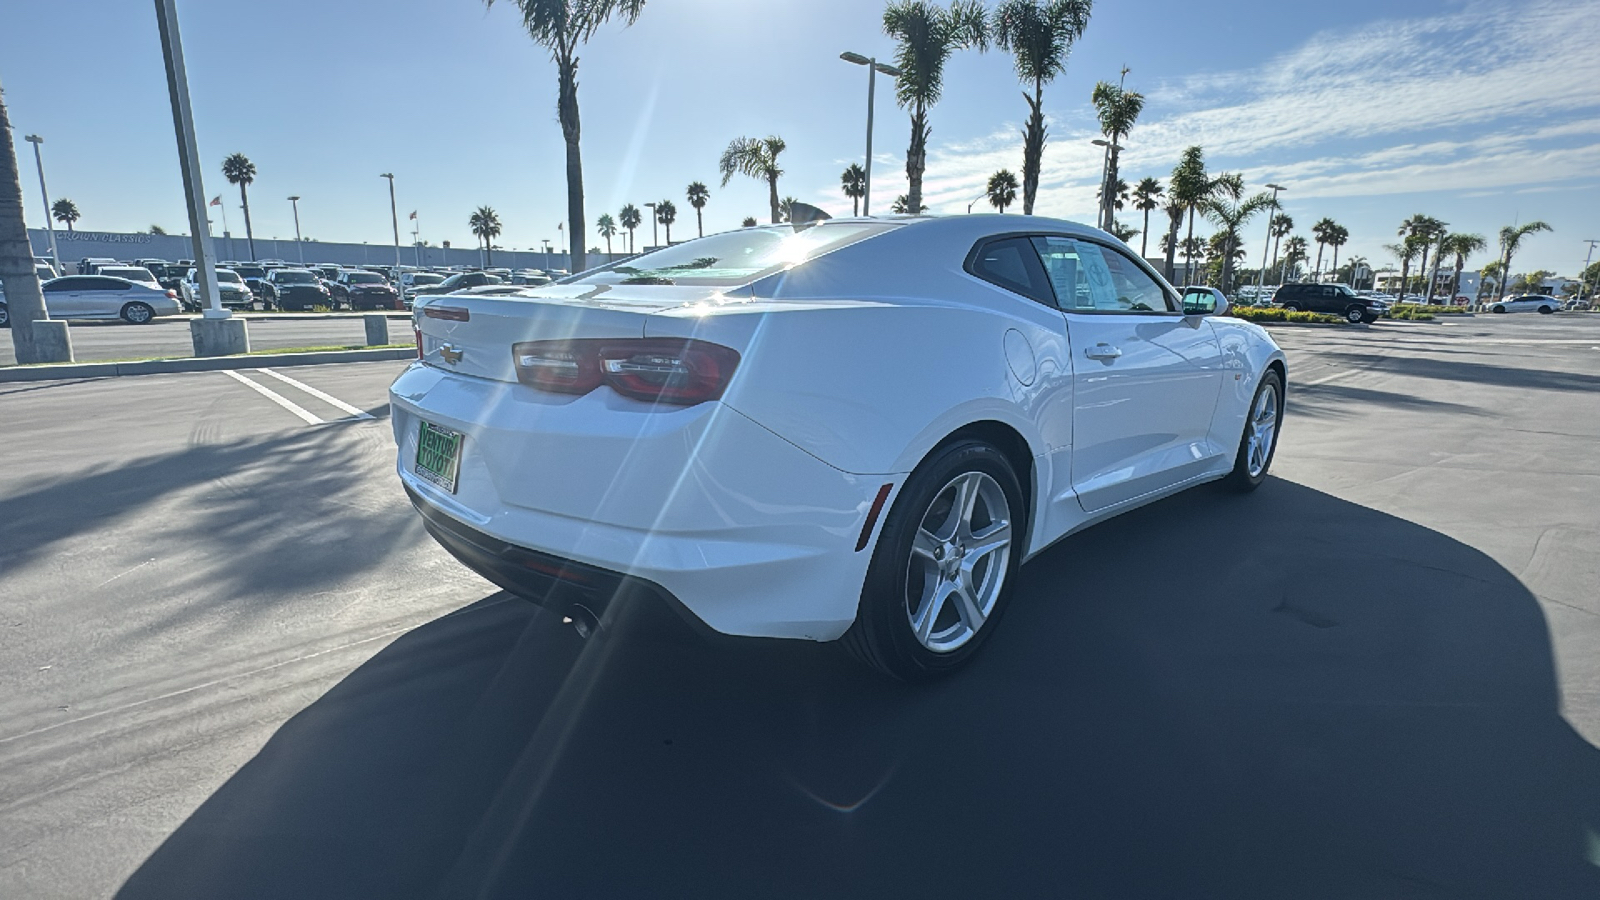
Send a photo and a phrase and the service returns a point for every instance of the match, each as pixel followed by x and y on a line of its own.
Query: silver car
pixel 1527 303
pixel 104 297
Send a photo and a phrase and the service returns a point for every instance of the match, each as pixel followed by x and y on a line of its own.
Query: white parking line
pixel 284 402
pixel 325 398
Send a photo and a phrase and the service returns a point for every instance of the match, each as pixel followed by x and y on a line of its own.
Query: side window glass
pixel 63 284
pixel 1090 278
pixel 1012 264
pixel 1066 272
pixel 1132 289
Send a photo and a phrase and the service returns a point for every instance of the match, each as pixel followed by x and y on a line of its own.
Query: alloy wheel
pixel 1263 427
pixel 959 559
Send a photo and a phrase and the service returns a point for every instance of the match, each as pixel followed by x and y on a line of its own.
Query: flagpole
pixel 416 233
pixel 217 201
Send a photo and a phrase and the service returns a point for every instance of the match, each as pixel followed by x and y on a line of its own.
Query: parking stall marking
pixel 324 397
pixel 282 401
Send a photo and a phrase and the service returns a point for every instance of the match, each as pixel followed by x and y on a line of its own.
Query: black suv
pixel 1334 299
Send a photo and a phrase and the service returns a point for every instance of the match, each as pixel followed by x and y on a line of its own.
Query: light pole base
pixel 209 313
pixel 377 329
pixel 219 337
pixel 51 344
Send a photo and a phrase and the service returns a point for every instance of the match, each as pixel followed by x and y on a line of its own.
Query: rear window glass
pixel 736 257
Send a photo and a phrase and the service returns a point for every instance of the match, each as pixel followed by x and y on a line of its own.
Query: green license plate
pixel 438 455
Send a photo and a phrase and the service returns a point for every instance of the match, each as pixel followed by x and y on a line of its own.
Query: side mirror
pixel 1205 302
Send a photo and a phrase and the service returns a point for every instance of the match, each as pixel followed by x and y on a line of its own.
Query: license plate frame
pixel 438 459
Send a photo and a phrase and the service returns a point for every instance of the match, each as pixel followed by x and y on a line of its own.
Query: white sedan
pixel 854 430
pixel 1527 303
pixel 102 297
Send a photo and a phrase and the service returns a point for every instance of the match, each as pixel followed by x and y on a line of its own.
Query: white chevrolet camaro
pixel 852 430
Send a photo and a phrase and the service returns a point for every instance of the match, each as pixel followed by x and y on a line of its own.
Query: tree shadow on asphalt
pixel 275 516
pixel 1326 395
pixel 1280 695
pixel 1470 374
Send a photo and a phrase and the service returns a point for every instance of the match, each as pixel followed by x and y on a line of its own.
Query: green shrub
pixel 1409 313
pixel 1272 314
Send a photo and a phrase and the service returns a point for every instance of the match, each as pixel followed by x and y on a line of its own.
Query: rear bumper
pixel 743 530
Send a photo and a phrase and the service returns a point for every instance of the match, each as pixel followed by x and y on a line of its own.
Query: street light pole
pixel 873 68
pixel 205 257
pixel 1104 214
pixel 38 161
pixel 394 215
pixel 1583 276
pixel 1261 278
pixel 655 237
pixel 546 242
pixel 295 202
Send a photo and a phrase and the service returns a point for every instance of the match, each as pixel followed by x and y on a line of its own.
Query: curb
pixel 11 374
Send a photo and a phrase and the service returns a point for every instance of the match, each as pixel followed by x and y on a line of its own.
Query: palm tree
pixel 630 219
pixel 1294 251
pixel 927 35
pixel 758 158
pixel 1320 231
pixel 697 195
pixel 1117 110
pixel 1511 241
pixel 1119 196
pixel 562 26
pixel 1123 232
pixel 853 181
pixel 1337 237
pixel 785 207
pixel 749 222
pixel 1405 252
pixel 157 229
pixel 1279 227
pixel 238 169
pixel 666 214
pixel 485 223
pixel 608 229
pixel 1146 198
pixel 1186 190
pixel 1230 215
pixel 1002 189
pixel 1039 38
pixel 65 212
pixel 901 205
pixel 1174 209
pixel 1425 229
pixel 1461 246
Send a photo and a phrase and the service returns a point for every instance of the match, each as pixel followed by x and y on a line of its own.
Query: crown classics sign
pixel 103 237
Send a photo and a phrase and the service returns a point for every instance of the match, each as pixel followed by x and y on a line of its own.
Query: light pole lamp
pixel 38 161
pixel 295 202
pixel 873 68
pixel 655 237
pixel 1272 207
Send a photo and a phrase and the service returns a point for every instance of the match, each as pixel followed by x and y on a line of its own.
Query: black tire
pixel 1240 479
pixel 1545 310
pixel 1291 307
pixel 138 313
pixel 1355 314
pixel 5 316
pixel 1498 309
pixel 882 635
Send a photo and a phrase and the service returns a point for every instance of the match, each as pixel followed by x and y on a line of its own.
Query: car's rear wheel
pixel 1291 307
pixel 1546 310
pixel 1259 442
pixel 1498 309
pixel 1355 314
pixel 138 313
pixel 5 316
pixel 943 567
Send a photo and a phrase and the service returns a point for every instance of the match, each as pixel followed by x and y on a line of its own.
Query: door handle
pixel 1102 351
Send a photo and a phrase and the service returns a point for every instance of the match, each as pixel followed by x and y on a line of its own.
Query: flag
pixel 413 214
pixel 216 201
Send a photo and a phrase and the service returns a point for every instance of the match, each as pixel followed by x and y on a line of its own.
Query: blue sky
pixel 1479 112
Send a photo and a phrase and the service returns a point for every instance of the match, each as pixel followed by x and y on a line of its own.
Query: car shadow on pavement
pixel 1470 374
pixel 1330 399
pixel 1279 695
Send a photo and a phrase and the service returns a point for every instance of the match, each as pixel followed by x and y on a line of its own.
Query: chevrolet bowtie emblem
pixel 451 354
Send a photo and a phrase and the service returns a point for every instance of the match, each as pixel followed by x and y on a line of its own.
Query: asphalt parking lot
pixel 233 665
pixel 101 341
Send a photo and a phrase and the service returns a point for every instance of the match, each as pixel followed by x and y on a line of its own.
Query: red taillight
pixel 172 295
pixel 418 332
pixel 657 370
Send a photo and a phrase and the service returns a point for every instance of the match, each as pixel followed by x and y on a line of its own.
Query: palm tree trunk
pixel 1172 244
pixel 699 225
pixel 1405 269
pixel 669 234
pixel 1423 269
pixel 1110 186
pixel 1032 148
pixel 772 198
pixel 25 303
pixel 1144 237
pixel 567 112
pixel 1336 266
pixel 916 160
pixel 1318 277
pixel 249 233
pixel 1188 263
pixel 1455 283
pixel 608 247
pixel 69 226
pixel 488 252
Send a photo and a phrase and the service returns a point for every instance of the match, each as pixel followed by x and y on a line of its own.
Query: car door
pixel 63 297
pixel 1146 377
pixel 102 298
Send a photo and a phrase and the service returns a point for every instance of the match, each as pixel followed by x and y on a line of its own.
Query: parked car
pixel 413 280
pixel 102 297
pixel 529 276
pixel 232 291
pixel 45 271
pixel 1334 299
pixel 1539 303
pixel 132 273
pixel 457 282
pixel 368 290
pixel 1006 382
pixel 90 264
pixel 255 278
pixel 295 289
